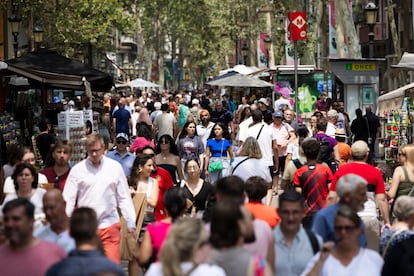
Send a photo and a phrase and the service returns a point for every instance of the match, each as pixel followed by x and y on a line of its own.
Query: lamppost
pixel 267 44
pixel 38 35
pixel 14 21
pixel 371 11
pixel 245 52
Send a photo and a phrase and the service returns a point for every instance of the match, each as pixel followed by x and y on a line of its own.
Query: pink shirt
pixel 158 232
pixel 282 136
pixel 34 261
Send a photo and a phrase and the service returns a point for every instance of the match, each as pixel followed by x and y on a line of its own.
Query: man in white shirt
pixel 204 129
pixel 331 118
pixel 266 138
pixel 99 182
pixel 57 229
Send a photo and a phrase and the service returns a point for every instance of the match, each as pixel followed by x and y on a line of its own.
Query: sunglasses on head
pixel 121 142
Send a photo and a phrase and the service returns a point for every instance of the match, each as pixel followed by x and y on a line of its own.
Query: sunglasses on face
pixel 347 228
pixel 121 142
pixel 164 142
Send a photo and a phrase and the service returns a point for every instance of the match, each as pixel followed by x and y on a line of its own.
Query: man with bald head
pixel 57 229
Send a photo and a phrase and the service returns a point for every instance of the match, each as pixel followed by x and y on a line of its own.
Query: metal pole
pixel 15 45
pixel 267 60
pixel 371 36
pixel 295 58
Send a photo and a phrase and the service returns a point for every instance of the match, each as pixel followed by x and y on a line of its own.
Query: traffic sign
pixel 297 26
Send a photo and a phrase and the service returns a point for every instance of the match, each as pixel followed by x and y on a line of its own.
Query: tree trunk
pixel 394 37
pixel 340 43
pixel 314 18
pixel 349 27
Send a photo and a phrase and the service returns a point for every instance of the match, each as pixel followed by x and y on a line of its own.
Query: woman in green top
pixel 403 177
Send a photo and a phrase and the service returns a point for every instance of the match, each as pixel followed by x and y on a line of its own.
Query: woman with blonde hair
pixel 403 177
pixel 185 251
pixel 250 163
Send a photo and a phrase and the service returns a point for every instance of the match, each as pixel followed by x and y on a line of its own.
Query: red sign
pixel 297 26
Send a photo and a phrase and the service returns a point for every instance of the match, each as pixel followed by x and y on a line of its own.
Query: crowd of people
pixel 186 185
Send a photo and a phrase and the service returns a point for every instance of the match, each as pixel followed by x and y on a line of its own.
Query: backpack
pixel 325 152
pixel 313 240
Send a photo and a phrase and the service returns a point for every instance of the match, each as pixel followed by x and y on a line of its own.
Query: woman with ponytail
pixel 185 251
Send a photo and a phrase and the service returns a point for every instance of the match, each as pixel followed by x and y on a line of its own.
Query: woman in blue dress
pixel 219 148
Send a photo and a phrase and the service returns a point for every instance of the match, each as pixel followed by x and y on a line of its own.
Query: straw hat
pixel 340 132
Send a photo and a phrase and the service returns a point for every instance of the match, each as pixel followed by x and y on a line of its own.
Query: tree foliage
pixel 70 25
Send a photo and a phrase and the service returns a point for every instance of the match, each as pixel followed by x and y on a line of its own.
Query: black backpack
pixel 325 152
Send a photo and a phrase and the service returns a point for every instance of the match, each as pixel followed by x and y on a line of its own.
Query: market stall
pixel 52 81
pixel 396 113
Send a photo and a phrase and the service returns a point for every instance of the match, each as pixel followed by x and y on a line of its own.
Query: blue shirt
pixel 125 160
pixel 63 239
pixel 85 262
pixel 292 261
pixel 218 148
pixel 323 225
pixel 122 117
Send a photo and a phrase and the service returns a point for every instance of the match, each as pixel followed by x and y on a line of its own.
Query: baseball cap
pixel 277 114
pixel 359 148
pixel 195 101
pixel 123 136
pixel 263 101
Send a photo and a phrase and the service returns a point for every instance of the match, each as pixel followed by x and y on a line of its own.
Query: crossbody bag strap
pixel 390 240
pixel 234 169
pixel 313 240
pixel 258 135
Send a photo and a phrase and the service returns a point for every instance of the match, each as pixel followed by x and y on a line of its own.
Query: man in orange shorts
pixel 99 182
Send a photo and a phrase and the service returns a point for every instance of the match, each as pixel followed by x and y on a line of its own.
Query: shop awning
pixel 392 99
pixel 54 70
pixel 406 62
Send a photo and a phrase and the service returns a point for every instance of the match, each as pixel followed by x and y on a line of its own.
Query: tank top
pixel 405 186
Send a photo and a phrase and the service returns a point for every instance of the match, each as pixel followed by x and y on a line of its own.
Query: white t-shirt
pixel 330 130
pixel 293 149
pixel 201 270
pixel 251 167
pixel 244 129
pixel 367 262
pixel 9 184
pixel 266 137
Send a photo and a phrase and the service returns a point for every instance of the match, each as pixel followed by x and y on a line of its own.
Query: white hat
pixel 263 101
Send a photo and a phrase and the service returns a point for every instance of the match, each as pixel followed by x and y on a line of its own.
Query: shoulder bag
pixel 217 166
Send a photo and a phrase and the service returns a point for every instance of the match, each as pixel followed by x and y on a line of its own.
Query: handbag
pixel 217 166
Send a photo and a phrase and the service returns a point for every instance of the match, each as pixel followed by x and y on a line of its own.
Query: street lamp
pixel 267 44
pixel 371 11
pixel 38 34
pixel 14 21
pixel 245 52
